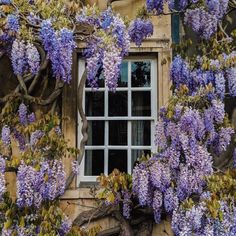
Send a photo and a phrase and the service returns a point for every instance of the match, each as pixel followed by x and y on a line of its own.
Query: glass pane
pixel 141 103
pixel 96 132
pixel 94 162
pixel 117 132
pixel 100 79
pixel 123 78
pixel 141 74
pixel 117 159
pixel 141 133
pixel 118 104
pixel 94 103
pixel 137 154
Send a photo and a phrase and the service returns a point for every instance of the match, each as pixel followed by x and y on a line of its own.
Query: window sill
pixel 82 192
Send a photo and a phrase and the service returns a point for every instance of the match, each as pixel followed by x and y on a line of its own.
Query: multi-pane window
pixel 120 124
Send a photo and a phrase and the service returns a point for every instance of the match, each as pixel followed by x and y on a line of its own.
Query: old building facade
pixel 120 125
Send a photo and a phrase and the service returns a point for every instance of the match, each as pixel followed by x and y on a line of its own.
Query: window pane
pixel 118 104
pixel 96 132
pixel 141 103
pixel 94 103
pixel 141 133
pixel 137 154
pixel 94 162
pixel 117 159
pixel 141 74
pixel 100 79
pixel 123 78
pixel 117 132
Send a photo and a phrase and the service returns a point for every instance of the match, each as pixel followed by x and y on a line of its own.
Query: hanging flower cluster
pixel 217 75
pixel 107 47
pixel 184 136
pixel 140 29
pixel 203 19
pixel 2 177
pixel 24 57
pixel 59 47
pixel 34 186
pixel 215 212
pixel 40 178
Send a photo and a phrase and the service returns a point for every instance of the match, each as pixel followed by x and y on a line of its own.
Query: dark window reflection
pixel 123 78
pixel 117 159
pixel 94 103
pixel 96 132
pixel 118 105
pixel 141 103
pixel 94 162
pixel 141 74
pixel 141 133
pixel 117 132
pixel 136 154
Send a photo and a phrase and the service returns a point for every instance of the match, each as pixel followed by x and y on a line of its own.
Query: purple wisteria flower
pixel 33 58
pixel 2 185
pixel 156 6
pixel 31 118
pixel 179 71
pixel 2 176
pixel 218 110
pixel 93 65
pixel 75 167
pixel 20 139
pixel 224 138
pixel 171 201
pixel 7 232
pixel 111 66
pixel 5 137
pixel 234 157
pixel 121 35
pixel 160 138
pixel 106 18
pixel 5 2
pixel 140 29
pixel 197 220
pixel 59 47
pixel 48 37
pixel 220 84
pixel 157 205
pixel 180 5
pixel 183 160
pixel 22 112
pixel 201 22
pixel 141 184
pixel 35 136
pixel 33 186
pixel 66 48
pixel 126 204
pixel 65 226
pixel 12 23
pixel 25 183
pixel 88 16
pixel 231 77
pixel 217 7
pixel 55 185
pixel 2 165
pixel 18 58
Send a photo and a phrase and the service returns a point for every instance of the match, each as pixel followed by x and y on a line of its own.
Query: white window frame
pixel 153 118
